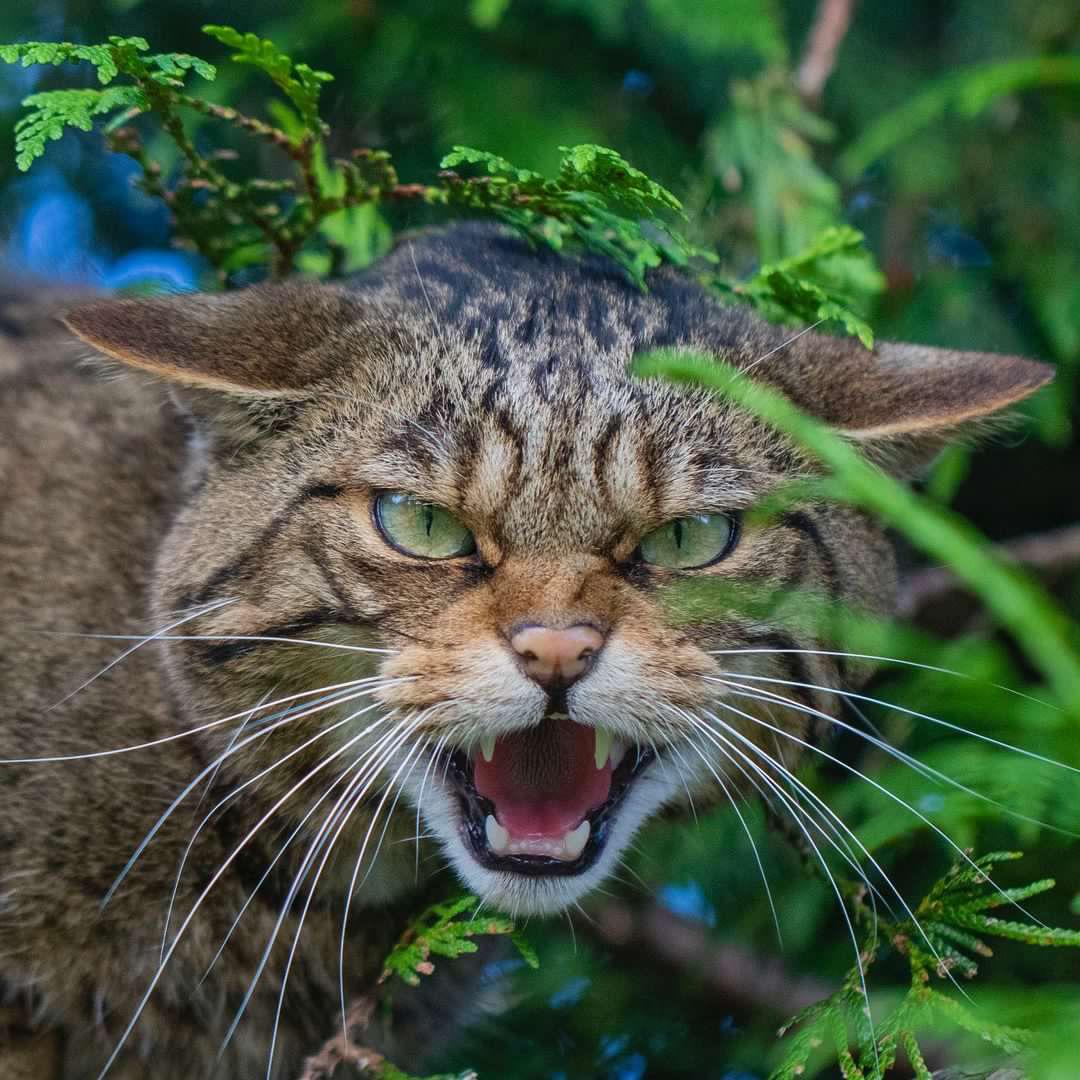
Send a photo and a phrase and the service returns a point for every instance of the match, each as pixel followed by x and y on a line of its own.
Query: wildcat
pixel 387 565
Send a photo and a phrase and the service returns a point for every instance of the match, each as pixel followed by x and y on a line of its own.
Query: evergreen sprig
pixel 941 941
pixel 597 201
pixel 300 83
pixel 803 287
pixel 439 931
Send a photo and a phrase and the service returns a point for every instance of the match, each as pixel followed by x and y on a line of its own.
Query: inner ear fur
pixel 903 401
pixel 263 341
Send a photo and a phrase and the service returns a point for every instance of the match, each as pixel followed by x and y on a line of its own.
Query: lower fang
pixel 497 837
pixel 574 842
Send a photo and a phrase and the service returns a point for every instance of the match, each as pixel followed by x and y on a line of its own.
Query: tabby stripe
pixel 602 454
pixel 803 523
pixel 237 565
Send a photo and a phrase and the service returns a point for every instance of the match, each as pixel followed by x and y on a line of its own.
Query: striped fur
pixel 230 459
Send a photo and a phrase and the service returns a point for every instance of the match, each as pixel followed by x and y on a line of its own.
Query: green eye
pixel 422 529
pixel 689 543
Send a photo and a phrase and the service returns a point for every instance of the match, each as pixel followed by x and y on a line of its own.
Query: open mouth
pixel 542 800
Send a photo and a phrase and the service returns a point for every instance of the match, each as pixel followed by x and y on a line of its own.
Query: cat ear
pixel 261 342
pixel 903 402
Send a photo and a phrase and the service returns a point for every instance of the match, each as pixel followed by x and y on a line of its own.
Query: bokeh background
pixel 963 172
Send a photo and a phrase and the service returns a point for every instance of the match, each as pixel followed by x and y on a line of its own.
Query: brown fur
pixel 466 371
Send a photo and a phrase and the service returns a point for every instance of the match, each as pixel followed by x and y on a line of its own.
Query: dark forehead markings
pixel 541 373
pixel 528 329
pixel 494 390
pixel 602 453
pixel 491 354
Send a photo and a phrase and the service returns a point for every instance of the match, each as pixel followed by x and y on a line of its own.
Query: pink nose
pixel 556 658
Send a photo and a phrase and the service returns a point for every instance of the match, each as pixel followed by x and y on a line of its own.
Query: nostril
pixel 552 655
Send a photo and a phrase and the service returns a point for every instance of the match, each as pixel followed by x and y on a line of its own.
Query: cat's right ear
pixel 268 341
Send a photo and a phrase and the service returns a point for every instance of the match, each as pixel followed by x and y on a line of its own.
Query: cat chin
pixel 520 894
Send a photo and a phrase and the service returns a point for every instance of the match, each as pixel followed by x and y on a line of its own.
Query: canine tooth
pixel 603 747
pixel 497 837
pixel 574 842
pixel 618 752
pixel 487 747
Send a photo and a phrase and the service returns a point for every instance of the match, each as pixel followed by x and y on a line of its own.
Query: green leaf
pixel 53 111
pixel 609 175
pixel 63 52
pixel 438 931
pixel 967 92
pixel 172 67
pixel 487 14
pixel 786 291
pixel 301 84
pixel 492 164
pixel 1018 601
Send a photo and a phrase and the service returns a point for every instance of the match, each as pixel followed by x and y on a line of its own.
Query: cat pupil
pixel 678 534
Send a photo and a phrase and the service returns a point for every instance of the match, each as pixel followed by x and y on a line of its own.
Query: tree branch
pixel 935 599
pixel 735 974
pixel 822 44
pixel 345 1049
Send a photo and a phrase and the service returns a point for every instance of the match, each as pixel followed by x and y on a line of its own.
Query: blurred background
pixel 937 127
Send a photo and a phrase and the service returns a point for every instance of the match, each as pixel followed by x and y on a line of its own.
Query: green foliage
pixel 597 201
pixel 487 13
pixel 817 284
pixel 940 941
pixel 300 83
pixel 705 27
pixel 587 202
pixel 968 92
pixel 101 57
pixel 438 931
pixel 1017 600
pixel 51 112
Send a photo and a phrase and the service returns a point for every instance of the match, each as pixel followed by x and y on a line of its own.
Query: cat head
pixel 436 537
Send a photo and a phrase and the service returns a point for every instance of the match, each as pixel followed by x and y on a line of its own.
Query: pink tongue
pixel 543 781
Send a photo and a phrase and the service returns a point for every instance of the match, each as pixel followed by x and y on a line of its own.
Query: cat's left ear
pixel 263 342
pixel 902 402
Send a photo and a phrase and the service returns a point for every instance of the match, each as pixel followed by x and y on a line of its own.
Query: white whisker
pixel 927 771
pixel 289 717
pixel 139 643
pixel 366 774
pixel 223 637
pixel 870 780
pixel 218 874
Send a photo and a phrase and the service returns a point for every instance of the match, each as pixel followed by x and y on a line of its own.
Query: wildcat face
pixel 444 480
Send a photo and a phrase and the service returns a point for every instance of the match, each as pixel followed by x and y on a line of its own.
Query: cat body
pixel 337 706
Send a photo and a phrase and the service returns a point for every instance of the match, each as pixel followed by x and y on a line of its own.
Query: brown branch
pixel 735 974
pixel 345 1049
pixel 822 44
pixel 935 598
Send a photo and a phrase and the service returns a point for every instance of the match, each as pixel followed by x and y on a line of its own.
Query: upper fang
pixel 487 747
pixel 603 747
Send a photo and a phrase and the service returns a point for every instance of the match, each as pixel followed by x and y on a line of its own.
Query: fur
pixel 221 471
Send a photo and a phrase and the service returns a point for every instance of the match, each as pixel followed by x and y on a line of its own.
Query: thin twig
pixel 822 44
pixel 741 978
pixel 344 1049
pixel 1050 555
